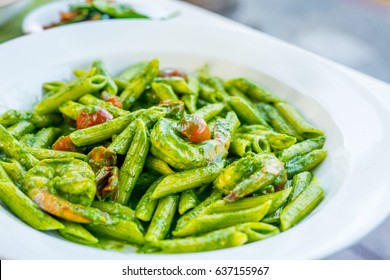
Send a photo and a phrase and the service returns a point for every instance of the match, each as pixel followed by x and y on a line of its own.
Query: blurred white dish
pixel 355 174
pixel 50 13
pixel 10 8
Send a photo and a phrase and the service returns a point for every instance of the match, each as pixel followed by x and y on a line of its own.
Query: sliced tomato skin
pixel 64 143
pixel 195 130
pixel 85 119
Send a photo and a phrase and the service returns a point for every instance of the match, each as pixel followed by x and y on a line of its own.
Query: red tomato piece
pixel 169 72
pixel 195 130
pixel 85 119
pixel 64 143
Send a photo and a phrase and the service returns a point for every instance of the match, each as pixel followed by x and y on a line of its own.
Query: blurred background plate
pixel 49 13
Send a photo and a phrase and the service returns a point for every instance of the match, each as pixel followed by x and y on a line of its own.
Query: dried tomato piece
pixel 100 157
pixel 107 182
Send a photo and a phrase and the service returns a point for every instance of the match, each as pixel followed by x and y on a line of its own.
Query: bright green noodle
pixel 303 204
pixel 162 218
pixel 73 91
pixel 14 170
pixel 101 132
pixel 219 239
pixel 186 180
pixel 12 148
pixel 89 99
pixel 209 222
pixel 133 164
pixel 77 233
pixel 188 200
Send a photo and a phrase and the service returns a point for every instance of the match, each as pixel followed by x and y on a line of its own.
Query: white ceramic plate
pixel 355 174
pixel 10 9
pixel 50 13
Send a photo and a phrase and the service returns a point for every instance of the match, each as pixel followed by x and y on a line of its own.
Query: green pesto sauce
pixel 112 244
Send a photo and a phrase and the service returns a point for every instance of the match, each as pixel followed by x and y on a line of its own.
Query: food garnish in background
pixel 96 10
pixel 37 15
pixel 100 10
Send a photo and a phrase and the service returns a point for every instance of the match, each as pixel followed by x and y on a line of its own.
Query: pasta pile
pixel 167 160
